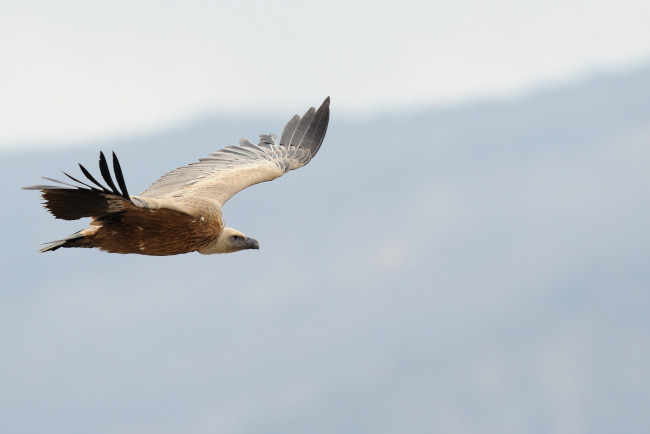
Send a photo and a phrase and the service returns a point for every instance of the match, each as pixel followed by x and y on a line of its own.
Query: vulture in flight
pixel 181 212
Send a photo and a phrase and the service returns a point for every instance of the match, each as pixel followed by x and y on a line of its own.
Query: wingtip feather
pixel 92 179
pixel 119 176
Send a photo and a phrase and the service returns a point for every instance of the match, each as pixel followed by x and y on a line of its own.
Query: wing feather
pixel 289 129
pixel 105 171
pixel 119 176
pixel 92 179
pixel 224 173
pixel 302 128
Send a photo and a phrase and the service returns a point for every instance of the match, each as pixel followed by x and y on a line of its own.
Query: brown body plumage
pixel 181 212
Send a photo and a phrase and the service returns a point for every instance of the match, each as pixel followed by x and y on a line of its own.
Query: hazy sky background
pixel 478 268
pixel 77 70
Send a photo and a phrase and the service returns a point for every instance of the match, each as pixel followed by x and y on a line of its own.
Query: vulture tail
pixel 75 240
pixel 89 199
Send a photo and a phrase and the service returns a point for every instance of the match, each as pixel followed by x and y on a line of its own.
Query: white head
pixel 230 240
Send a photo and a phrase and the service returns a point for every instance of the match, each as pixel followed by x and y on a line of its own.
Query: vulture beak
pixel 252 244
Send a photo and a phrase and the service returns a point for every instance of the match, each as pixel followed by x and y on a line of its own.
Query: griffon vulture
pixel 181 212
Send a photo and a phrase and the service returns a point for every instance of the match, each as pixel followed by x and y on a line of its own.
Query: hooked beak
pixel 252 244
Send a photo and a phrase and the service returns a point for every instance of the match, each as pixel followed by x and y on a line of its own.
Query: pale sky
pixel 80 70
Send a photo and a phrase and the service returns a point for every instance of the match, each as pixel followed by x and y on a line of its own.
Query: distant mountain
pixel 482 268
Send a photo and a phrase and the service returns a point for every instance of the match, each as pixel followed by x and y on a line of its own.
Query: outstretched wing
pixel 226 172
pixel 72 202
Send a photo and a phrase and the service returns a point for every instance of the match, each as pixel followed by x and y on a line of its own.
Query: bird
pixel 181 212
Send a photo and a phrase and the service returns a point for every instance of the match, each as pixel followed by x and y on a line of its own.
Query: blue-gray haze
pixel 483 268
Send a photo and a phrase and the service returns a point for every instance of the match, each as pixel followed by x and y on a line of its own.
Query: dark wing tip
pixel 315 134
pixel 92 179
pixel 106 173
pixel 119 176
pixel 308 131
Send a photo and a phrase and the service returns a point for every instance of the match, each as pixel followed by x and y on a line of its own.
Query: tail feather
pixel 75 240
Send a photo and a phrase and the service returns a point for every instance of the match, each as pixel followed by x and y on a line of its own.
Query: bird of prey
pixel 181 211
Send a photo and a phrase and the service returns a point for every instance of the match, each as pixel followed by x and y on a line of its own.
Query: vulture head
pixel 230 240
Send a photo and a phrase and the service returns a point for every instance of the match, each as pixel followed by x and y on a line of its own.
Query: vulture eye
pixel 235 237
